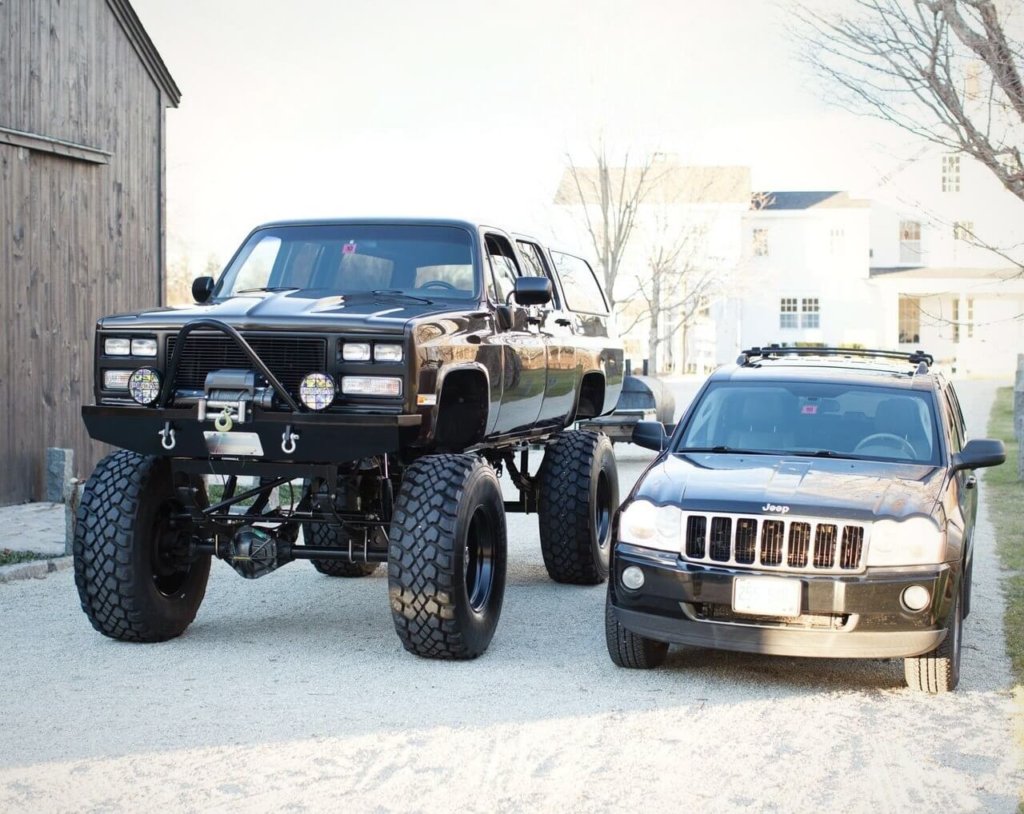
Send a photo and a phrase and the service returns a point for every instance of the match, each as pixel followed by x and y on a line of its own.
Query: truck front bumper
pixel 319 438
pixel 856 616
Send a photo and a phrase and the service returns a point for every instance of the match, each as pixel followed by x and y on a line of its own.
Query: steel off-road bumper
pixel 320 438
pixel 857 616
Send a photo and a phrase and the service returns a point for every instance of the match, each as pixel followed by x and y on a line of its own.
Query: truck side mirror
pixel 532 290
pixel 202 289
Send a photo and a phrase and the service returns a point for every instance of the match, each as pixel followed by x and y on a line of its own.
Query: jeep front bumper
pixel 855 616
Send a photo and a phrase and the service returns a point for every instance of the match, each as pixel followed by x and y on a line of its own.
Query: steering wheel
pixel 887 439
pixel 440 284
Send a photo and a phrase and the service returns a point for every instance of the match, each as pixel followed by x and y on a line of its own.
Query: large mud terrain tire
pixel 331 536
pixel 135 578
pixel 939 671
pixel 628 649
pixel 447 557
pixel 579 492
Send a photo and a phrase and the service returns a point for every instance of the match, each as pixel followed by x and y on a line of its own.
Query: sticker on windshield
pixel 809 409
pixel 349 248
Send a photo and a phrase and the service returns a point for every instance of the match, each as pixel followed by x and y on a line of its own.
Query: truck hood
pixel 292 310
pixel 767 484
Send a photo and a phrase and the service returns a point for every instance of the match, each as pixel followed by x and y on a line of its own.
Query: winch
pixel 230 394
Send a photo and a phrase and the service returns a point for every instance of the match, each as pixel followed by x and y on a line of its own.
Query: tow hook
pixel 167 440
pixel 288 439
pixel 223 422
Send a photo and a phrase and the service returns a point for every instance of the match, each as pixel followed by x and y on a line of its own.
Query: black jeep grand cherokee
pixel 811 502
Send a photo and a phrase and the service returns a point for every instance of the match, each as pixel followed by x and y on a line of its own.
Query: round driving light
pixel 916 598
pixel 317 391
pixel 633 578
pixel 144 385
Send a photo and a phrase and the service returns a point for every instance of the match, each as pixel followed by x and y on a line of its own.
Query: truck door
pixel 555 325
pixel 523 350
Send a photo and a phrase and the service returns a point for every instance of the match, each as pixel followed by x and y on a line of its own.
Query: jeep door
pixel 965 481
pixel 522 348
pixel 555 325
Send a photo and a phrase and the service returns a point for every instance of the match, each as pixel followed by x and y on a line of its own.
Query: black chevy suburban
pixel 811 502
pixel 371 379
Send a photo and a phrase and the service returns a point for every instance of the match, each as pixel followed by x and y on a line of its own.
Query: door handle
pixel 563 321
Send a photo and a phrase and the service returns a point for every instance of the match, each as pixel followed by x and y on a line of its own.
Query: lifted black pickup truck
pixel 375 377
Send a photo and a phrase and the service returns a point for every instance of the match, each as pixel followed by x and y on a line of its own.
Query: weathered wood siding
pixel 78 239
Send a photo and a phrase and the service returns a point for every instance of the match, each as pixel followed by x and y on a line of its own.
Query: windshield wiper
pixel 397 292
pixel 824 453
pixel 729 450
pixel 268 288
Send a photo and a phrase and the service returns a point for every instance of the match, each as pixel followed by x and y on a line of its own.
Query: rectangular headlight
pixel 143 347
pixel 117 346
pixel 387 353
pixel 116 379
pixel 371 386
pixel 356 352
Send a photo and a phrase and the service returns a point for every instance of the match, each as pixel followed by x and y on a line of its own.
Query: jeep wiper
pixel 268 288
pixel 823 453
pixel 396 292
pixel 730 450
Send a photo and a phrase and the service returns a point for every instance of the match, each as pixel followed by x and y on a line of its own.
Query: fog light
pixel 916 598
pixel 144 385
pixel 317 391
pixel 633 578
pixel 116 379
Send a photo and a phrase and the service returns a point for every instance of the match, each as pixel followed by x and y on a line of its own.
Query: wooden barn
pixel 83 94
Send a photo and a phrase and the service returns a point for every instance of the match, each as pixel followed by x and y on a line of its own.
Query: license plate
pixel 766 596
pixel 233 443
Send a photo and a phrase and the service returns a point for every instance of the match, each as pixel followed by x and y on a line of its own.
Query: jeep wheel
pixel 447 556
pixel 135 578
pixel 579 492
pixel 322 534
pixel 939 671
pixel 628 649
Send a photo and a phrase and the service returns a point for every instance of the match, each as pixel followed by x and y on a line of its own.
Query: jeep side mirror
pixel 978 453
pixel 650 435
pixel 532 290
pixel 202 289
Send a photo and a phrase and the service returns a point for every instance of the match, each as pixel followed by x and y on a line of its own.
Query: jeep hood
pixel 747 484
pixel 293 310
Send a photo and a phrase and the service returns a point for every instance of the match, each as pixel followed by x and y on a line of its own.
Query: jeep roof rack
pixel 757 354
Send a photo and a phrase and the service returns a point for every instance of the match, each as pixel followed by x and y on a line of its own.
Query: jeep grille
pixel 817 546
pixel 288 358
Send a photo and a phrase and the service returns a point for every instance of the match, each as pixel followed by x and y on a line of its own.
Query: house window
pixel 910 241
pixel 950 173
pixel 963 230
pixel 910 320
pixel 788 315
pixel 760 242
pixel 836 240
pixel 810 313
pixel 970 317
pixel 956 319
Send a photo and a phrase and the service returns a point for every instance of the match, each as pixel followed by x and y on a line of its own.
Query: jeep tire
pixel 579 492
pixel 447 557
pixel 628 649
pixel 135 577
pixel 939 671
pixel 321 534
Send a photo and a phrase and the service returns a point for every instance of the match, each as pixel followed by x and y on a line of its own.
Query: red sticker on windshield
pixel 809 409
pixel 349 248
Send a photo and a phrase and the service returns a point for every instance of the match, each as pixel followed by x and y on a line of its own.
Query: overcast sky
pixel 452 107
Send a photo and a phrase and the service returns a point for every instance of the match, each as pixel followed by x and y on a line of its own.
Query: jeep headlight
pixel 644 524
pixel 917 541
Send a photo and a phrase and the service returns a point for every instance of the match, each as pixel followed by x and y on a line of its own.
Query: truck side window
pixel 582 291
pixel 535 265
pixel 503 267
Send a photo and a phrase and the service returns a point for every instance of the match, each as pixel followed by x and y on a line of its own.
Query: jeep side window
pixel 504 268
pixel 582 291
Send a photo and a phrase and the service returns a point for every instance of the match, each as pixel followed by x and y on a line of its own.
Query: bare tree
pixel 944 70
pixel 608 198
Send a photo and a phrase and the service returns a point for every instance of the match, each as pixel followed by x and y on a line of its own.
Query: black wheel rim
pixel 480 555
pixel 603 510
pixel 169 559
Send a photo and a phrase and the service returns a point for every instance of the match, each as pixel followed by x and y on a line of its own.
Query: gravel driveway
pixel 292 693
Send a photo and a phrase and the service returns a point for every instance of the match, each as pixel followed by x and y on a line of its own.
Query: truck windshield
pixel 429 262
pixel 814 419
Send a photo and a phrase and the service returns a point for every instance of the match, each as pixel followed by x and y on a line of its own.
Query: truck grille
pixel 288 358
pixel 817 546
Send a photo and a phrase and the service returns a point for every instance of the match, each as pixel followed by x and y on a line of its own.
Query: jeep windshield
pixel 813 419
pixel 373 260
